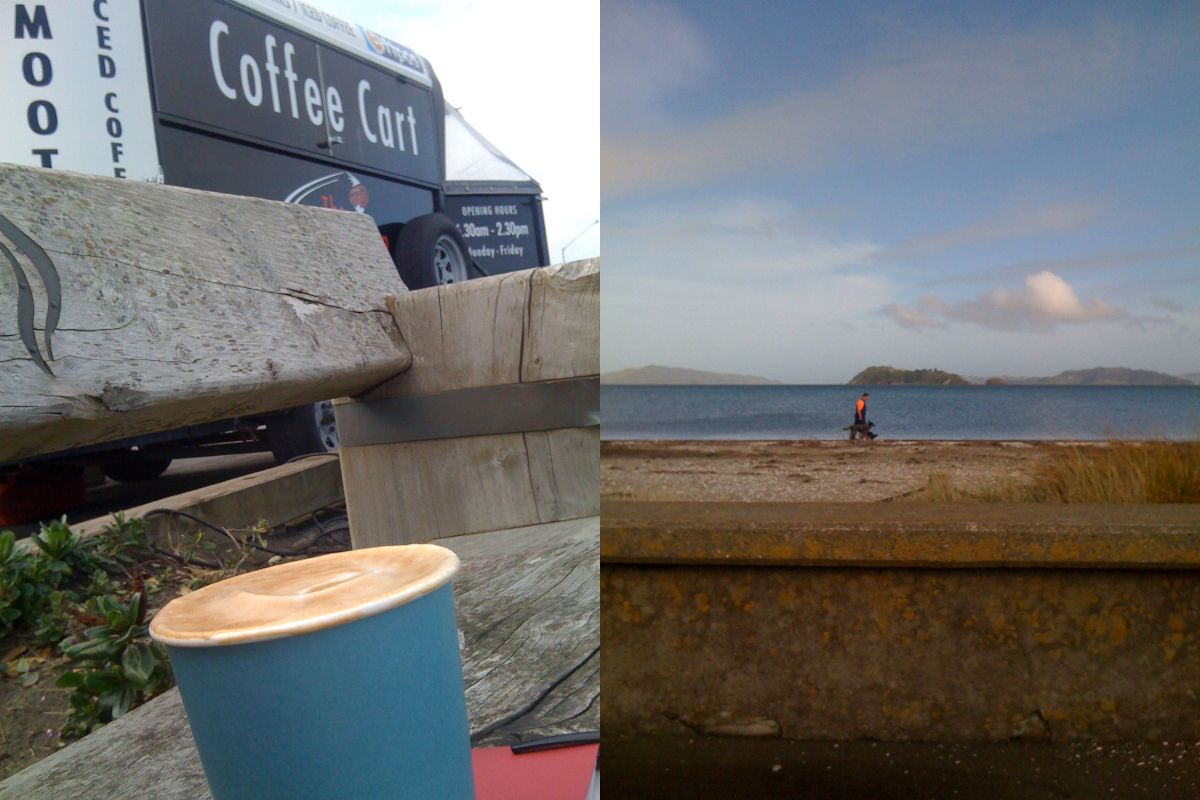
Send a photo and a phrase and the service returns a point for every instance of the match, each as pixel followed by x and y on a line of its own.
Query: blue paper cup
pixel 334 677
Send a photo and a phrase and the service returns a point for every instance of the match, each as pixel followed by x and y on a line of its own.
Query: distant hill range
pixel 677 376
pixel 1097 376
pixel 890 376
pixel 1105 376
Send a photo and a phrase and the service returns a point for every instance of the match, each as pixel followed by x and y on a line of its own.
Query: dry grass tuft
pixel 1119 472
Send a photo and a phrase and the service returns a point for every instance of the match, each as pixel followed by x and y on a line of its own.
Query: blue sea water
pixel 901 412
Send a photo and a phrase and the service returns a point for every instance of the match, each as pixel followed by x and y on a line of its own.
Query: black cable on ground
pixel 525 709
pixel 239 543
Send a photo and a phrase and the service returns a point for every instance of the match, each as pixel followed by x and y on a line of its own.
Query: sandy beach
pixel 805 471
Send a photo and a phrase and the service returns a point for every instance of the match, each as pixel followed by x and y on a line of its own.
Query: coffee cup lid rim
pixel 304 596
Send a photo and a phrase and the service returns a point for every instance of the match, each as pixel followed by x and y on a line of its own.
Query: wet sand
pixel 806 471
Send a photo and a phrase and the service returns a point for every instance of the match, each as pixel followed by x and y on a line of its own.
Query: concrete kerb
pixel 902 622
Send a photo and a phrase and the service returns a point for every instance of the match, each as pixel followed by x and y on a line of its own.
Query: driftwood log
pixel 128 307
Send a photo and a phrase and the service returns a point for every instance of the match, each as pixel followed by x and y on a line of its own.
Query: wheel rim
pixel 326 425
pixel 449 262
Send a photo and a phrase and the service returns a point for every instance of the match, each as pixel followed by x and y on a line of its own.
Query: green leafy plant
pixel 123 537
pixel 54 621
pixel 119 666
pixel 61 592
pixel 45 580
pixel 14 567
pixel 66 552
pixel 195 545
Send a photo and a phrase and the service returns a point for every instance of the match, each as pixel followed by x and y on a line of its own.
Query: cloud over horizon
pixel 1046 300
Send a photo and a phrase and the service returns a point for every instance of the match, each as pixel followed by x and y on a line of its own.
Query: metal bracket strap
pixel 512 408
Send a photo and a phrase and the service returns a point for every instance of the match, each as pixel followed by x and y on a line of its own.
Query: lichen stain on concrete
pixel 1118 628
pixel 961 653
pixel 1171 644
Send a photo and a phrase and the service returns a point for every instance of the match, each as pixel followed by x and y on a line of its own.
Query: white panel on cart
pixel 76 91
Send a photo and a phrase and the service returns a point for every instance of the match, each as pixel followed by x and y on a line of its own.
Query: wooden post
pixel 129 307
pixel 522 329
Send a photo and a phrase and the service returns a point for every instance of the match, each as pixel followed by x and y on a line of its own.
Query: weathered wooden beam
pixel 129 307
pixel 530 327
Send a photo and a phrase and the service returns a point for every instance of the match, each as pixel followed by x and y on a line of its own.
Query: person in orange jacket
pixel 862 427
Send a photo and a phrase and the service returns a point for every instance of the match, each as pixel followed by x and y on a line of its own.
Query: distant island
pixel 890 376
pixel 677 376
pixel 1097 376
pixel 1105 376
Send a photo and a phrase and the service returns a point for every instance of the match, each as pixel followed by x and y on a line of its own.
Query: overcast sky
pixel 800 190
pixel 525 74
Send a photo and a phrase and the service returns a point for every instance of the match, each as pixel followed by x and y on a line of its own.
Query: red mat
pixel 562 773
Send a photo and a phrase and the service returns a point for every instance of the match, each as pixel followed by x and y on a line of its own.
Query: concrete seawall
pixel 901 622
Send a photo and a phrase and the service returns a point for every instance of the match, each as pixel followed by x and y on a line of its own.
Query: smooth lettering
pixel 36 28
pixel 363 88
pixel 44 72
pixel 46 156
pixel 290 74
pixel 39 109
pixel 385 127
pixel 217 29
pixel 333 108
pixel 251 81
pixel 412 128
pixel 272 72
pixel 312 102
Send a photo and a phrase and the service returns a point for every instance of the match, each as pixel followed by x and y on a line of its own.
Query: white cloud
pixel 1046 300
pixel 911 318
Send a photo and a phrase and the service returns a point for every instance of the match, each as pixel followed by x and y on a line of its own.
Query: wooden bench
pixel 134 308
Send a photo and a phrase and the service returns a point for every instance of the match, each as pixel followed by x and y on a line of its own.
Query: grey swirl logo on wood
pixel 25 305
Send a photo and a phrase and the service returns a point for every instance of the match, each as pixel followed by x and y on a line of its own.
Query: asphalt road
pixel 183 475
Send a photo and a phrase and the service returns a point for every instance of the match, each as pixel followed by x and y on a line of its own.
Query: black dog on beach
pixel 861 430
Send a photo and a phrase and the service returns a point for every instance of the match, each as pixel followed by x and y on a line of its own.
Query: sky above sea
pixel 525 74
pixel 800 190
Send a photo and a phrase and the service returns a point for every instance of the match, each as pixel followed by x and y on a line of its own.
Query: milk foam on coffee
pixel 303 596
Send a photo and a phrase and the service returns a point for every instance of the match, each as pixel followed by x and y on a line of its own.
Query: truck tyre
pixel 303 430
pixel 146 469
pixel 431 252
